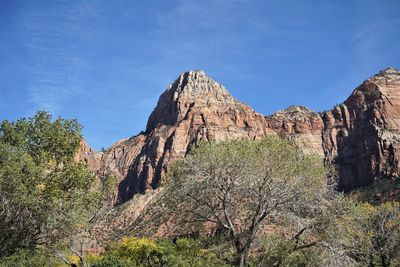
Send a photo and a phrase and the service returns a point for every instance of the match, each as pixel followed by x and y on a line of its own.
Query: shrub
pixel 132 251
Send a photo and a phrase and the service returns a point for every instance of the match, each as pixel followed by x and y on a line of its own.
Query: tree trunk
pixel 242 261
pixel 242 254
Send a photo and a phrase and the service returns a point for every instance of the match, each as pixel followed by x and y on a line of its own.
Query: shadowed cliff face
pixel 360 137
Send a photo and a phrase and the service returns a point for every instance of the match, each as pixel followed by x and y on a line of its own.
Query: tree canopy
pixel 239 185
pixel 44 193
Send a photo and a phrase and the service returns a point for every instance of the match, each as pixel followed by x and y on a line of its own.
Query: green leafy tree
pixel 45 195
pixel 240 185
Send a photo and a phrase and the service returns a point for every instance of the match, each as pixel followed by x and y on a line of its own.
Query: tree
pixel 45 195
pixel 370 235
pixel 239 185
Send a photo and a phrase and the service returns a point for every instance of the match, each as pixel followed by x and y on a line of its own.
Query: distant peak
pixel 294 111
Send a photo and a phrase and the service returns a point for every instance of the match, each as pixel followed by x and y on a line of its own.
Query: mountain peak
pixel 389 74
pixel 196 85
pixel 190 88
pixel 195 73
pixel 389 71
pixel 294 113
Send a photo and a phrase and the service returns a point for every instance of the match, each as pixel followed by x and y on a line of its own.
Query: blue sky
pixel 106 62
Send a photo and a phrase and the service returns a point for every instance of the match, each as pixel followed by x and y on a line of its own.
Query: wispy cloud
pixel 57 63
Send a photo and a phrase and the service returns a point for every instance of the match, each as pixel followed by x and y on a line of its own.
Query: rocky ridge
pixel 361 137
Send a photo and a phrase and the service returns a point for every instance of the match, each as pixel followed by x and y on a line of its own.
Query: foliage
pixel 24 258
pixel 44 193
pixel 147 252
pixel 112 260
pixel 45 141
pixel 239 185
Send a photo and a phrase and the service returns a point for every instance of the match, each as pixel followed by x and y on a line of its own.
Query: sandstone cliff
pixel 361 137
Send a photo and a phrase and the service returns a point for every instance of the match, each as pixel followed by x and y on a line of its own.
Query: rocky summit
pixel 360 137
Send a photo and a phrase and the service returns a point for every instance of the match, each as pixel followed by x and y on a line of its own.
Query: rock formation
pixel 361 137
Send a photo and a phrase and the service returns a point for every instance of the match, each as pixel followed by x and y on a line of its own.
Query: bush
pixel 24 258
pixel 133 251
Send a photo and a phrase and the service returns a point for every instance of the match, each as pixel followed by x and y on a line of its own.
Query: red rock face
pixel 360 137
pixel 87 155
